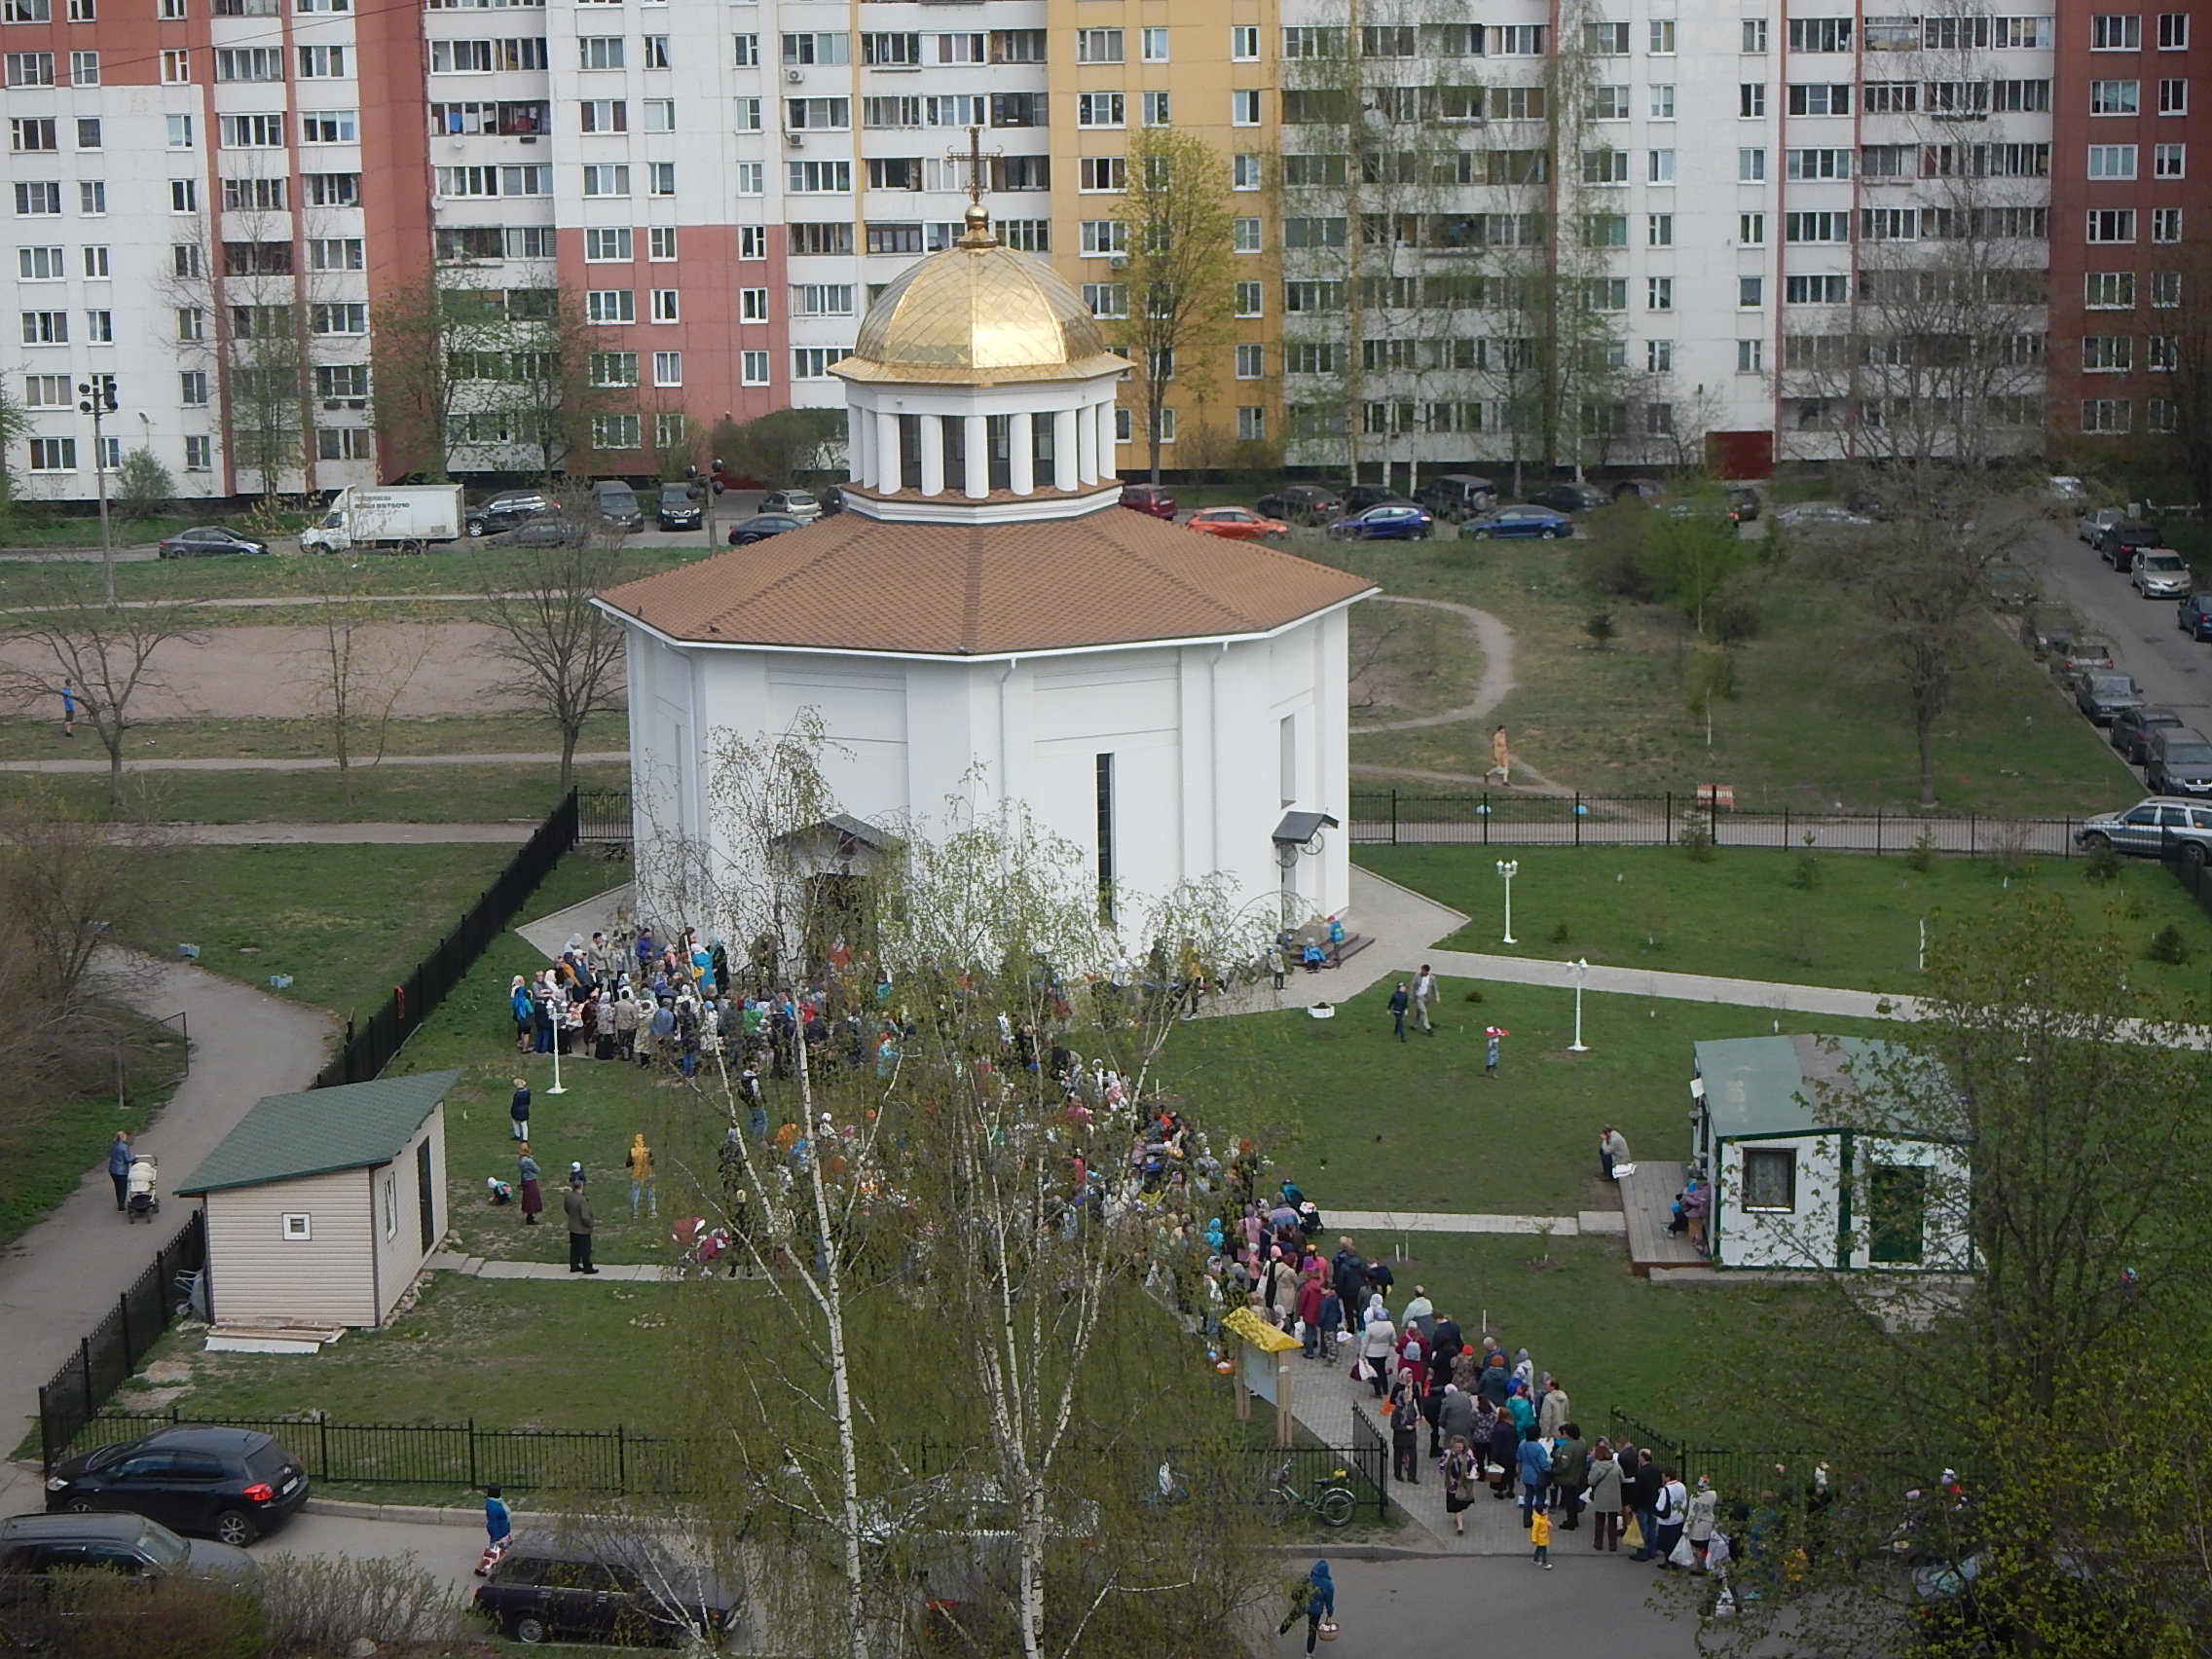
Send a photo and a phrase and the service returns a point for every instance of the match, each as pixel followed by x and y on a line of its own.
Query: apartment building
pixel 1595 233
pixel 2129 218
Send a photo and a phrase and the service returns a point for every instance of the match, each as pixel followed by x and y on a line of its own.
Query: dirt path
pixel 1495 639
pixel 254 671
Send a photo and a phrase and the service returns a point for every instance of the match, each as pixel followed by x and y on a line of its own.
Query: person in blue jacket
pixel 1317 1602
pixel 1536 1469
pixel 119 1168
pixel 498 1526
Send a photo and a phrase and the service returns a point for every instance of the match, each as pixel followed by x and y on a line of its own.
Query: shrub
pixel 143 486
pixel 1697 841
pixel 1733 618
pixel 1559 933
pixel 322 1604
pixel 1600 628
pixel 2168 945
pixel 1807 875
pixel 2102 865
pixel 1922 858
pixel 98 1615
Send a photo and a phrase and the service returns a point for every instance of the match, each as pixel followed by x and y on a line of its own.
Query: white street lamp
pixel 1581 971
pixel 1509 868
pixel 560 1010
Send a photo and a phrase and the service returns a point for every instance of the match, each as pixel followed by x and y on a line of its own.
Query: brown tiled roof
pixel 1114 576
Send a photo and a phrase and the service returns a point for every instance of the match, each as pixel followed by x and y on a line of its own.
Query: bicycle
pixel 1331 1502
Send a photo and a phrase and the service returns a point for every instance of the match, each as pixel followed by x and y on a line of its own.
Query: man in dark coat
pixel 1351 1276
pixel 1445 1344
pixel 578 1207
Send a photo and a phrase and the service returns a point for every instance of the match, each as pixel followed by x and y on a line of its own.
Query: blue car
pixel 2195 615
pixel 1395 521
pixel 1530 521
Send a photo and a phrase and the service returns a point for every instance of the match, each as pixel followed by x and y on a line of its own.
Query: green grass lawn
pixel 408 795
pixel 45 1153
pixel 1365 1123
pixel 1746 915
pixel 511 1353
pixel 276 739
pixel 344 922
pixel 1818 719
pixel 462 567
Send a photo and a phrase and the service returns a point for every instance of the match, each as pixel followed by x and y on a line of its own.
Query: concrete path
pixel 320 762
pixel 1592 1223
pixel 1678 987
pixel 602 912
pixel 64 1276
pixel 347 835
pixel 1402 924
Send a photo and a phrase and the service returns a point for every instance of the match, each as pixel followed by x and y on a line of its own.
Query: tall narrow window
pixel 1286 758
pixel 1105 790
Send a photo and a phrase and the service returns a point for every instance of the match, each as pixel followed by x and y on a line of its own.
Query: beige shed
pixel 322 1208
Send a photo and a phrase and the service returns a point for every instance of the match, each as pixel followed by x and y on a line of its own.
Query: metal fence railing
pixel 110 1351
pixel 1370 1456
pixel 370 1044
pixel 614 1459
pixel 603 816
pixel 1402 818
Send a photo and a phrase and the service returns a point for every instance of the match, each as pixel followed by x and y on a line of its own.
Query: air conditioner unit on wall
pixel 796 140
pixel 795 76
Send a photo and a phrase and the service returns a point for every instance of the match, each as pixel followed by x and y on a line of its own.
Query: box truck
pixel 407 517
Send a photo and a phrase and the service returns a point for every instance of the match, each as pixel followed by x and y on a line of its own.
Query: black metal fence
pixel 603 816
pixel 369 1047
pixel 587 1460
pixel 111 1350
pixel 1401 818
pixel 2186 860
pixel 1370 1456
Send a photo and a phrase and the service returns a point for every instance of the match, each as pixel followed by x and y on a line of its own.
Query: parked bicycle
pixel 1331 1502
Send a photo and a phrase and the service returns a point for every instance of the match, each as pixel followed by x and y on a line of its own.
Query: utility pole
pixel 97 398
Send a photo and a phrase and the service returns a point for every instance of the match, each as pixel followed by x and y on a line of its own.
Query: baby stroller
pixel 143 1189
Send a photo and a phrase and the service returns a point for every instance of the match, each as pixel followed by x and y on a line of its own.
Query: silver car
pixel 2145 829
pixel 2161 574
pixel 2091 525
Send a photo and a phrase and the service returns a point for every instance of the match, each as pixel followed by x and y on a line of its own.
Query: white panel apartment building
pixel 1679 191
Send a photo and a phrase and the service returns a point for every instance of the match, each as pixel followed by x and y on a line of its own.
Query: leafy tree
pixel 1689 552
pixel 143 487
pixel 777 447
pixel 1176 206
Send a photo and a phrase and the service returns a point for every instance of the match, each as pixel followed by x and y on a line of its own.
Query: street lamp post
pixel 96 397
pixel 1509 868
pixel 1580 968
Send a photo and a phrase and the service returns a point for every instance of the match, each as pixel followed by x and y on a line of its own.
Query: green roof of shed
pixel 1777 1085
pixel 355 1125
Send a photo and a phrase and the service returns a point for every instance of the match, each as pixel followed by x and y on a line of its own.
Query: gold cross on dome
pixel 978 181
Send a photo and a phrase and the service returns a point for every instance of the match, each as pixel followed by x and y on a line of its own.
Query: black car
pixel 1300 504
pixel 505 511
pixel 32 1546
pixel 230 1484
pixel 2116 542
pixel 1360 496
pixel 1457 495
pixel 206 540
pixel 760 527
pixel 2132 729
pixel 1569 497
pixel 1743 504
pixel 2179 762
pixel 678 509
pixel 621 1589
pixel 2101 696
pixel 2194 616
pixel 546 529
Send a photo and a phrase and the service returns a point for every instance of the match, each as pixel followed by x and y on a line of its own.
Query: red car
pixel 1152 499
pixel 1237 523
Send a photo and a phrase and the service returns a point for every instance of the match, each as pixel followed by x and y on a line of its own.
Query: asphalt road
pixel 2171 667
pixel 1586 1607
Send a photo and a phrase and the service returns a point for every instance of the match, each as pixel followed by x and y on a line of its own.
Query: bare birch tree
pixel 359 668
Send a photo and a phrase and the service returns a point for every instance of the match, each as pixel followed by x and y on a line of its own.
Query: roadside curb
pixel 421 1514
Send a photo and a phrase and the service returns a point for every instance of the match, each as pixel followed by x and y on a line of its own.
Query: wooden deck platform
pixel 1647 1197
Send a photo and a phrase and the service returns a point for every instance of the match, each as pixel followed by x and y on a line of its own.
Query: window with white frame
pixel 2105 416
pixel 2165 224
pixel 668 368
pixel 615 432
pixel 1662 37
pixel 752 368
pixel 665 304
pixel 814 362
pixel 1663 102
pixel 1251 361
pixel 2116 98
pixel 611 304
pixel 605 178
pixel 2169 161
pixel 2116 32
pixel 1751 166
pixel 1100 110
pixel 603 244
pixel 2112 225
pixel 2109 290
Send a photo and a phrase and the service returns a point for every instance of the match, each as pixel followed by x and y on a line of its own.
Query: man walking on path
pixel 119 1168
pixel 1500 760
pixel 518 1109
pixel 1424 993
pixel 69 711
pixel 1399 1002
pixel 578 1210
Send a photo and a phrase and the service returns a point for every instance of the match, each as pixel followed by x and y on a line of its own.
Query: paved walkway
pixel 476 1266
pixel 65 1274
pixel 1591 1222
pixel 1678 987
pixel 501 834
pixel 319 763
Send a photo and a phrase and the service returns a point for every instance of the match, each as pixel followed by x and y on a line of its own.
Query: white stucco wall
pixel 1806 1236
pixel 1201 776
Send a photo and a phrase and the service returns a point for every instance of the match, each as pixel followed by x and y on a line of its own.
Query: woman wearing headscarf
pixel 1704 1516
pixel 1463 1472
pixel 1379 1339
pixel 1604 1497
pixel 532 1195
pixel 1504 1454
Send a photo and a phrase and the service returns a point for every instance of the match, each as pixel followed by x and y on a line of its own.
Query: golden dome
pixel 979 314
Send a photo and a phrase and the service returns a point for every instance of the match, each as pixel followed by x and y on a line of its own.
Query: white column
pixel 1107 464
pixel 976 452
pixel 1020 453
pixel 860 454
pixel 890 470
pixel 1087 446
pixel 1064 450
pixel 932 455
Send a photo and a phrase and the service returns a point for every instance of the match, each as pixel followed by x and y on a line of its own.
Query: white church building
pixel 984 617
